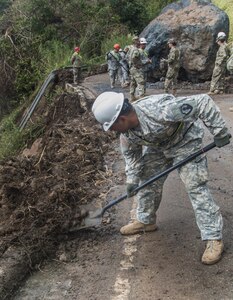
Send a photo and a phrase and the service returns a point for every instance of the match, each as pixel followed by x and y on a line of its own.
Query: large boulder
pixel 195 25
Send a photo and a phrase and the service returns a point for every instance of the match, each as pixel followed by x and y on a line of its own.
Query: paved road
pixel 161 265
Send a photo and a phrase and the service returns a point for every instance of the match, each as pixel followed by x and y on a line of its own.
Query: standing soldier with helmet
pixel 113 58
pixel 137 80
pixel 173 62
pixel 144 57
pixel 217 85
pixel 76 62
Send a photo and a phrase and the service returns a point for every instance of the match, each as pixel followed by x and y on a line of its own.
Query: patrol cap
pixel 135 38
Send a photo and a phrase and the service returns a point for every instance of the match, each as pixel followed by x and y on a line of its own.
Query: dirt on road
pixel 85 167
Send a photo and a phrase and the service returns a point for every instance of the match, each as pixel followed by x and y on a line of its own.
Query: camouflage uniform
pixel 169 132
pixel 145 62
pixel 76 59
pixel 230 59
pixel 137 79
pixel 173 62
pixel 124 68
pixel 218 76
pixel 113 58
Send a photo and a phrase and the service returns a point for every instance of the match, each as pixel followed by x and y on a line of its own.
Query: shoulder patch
pixel 186 109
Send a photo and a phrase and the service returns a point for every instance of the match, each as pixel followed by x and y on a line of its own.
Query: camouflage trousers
pixel 137 81
pixel 194 176
pixel 218 79
pixel 125 74
pixel 76 74
pixel 113 75
pixel 171 78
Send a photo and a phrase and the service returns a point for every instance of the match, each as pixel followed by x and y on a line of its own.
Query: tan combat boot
pixel 210 93
pixel 137 227
pixel 216 92
pixel 213 252
pixel 132 99
pixel 174 92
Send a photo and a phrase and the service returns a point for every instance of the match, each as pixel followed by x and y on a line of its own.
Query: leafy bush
pixel 11 139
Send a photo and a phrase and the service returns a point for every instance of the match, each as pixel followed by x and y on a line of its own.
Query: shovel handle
pixel 158 176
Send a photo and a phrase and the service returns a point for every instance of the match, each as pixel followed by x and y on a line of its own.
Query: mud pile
pixel 43 189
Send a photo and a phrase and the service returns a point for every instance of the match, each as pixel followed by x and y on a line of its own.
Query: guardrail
pixel 41 92
pixel 39 95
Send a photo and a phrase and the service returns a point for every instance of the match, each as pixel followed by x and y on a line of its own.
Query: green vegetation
pixel 11 139
pixel 38 36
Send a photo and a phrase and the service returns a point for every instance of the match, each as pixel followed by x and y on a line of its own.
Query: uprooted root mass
pixel 41 194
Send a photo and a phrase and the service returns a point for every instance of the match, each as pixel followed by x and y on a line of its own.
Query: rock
pixel 34 150
pixel 195 25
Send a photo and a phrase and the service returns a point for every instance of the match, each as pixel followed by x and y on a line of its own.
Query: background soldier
pixel 173 62
pixel 137 81
pixel 124 67
pixel 217 85
pixel 146 61
pixel 76 60
pixel 113 58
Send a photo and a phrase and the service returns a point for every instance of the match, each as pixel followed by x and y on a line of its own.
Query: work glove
pixel 222 140
pixel 130 189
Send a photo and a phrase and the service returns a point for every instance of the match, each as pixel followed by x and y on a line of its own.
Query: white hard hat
pixel 143 41
pixel 221 35
pixel 107 108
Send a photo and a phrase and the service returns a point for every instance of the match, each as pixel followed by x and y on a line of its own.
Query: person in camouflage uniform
pixel 113 58
pixel 124 69
pixel 137 80
pixel 159 131
pixel 173 62
pixel 146 61
pixel 217 85
pixel 76 60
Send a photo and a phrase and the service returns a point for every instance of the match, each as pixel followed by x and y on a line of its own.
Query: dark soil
pixel 43 189
pixel 72 164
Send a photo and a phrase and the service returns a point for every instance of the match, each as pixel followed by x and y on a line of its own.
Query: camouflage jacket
pixel 135 58
pixel 113 58
pixel 144 59
pixel 76 59
pixel 124 61
pixel 170 126
pixel 222 55
pixel 173 59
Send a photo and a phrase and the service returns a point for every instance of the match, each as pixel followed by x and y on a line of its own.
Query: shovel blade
pixel 93 218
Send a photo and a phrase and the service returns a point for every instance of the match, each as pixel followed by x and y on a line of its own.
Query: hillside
pixel 43 189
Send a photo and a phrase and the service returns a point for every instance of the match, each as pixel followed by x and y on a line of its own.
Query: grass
pixel 226 5
pixel 11 139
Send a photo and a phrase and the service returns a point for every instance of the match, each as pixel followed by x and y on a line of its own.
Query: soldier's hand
pixel 222 140
pixel 130 189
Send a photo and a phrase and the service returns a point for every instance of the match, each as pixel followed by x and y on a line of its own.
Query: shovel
pixel 94 218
